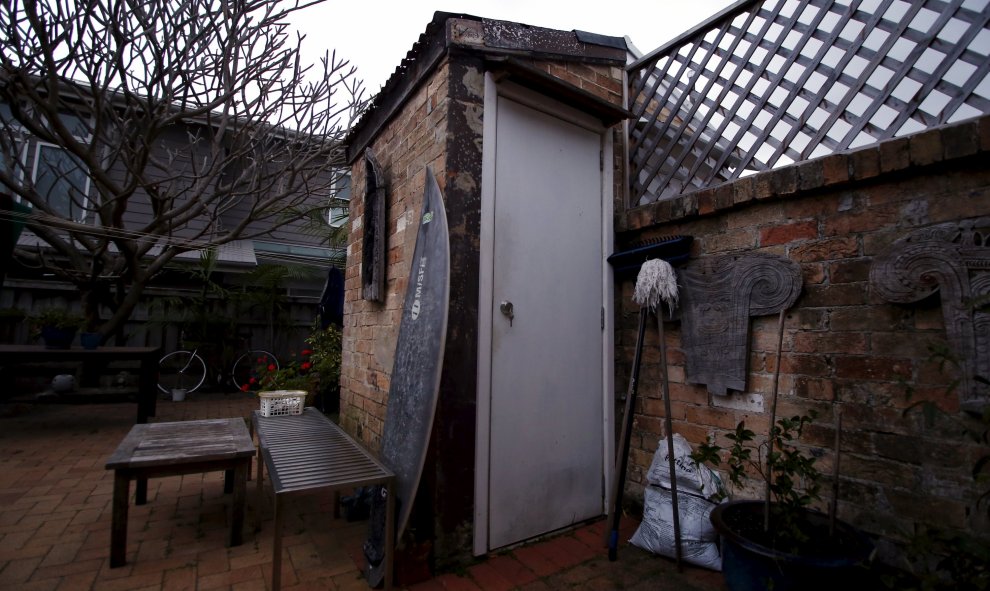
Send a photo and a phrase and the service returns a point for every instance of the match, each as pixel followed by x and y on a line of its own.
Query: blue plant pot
pixel 89 340
pixel 748 565
pixel 57 338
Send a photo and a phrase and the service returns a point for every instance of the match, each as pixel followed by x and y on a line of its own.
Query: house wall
pixel 844 347
pixel 440 125
pixel 180 159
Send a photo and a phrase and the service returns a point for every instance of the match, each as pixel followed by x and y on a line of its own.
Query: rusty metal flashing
pixel 488 37
pixel 524 75
pixel 419 63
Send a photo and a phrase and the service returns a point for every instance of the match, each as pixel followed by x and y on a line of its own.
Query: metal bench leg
pixel 277 546
pixel 389 534
pixel 261 492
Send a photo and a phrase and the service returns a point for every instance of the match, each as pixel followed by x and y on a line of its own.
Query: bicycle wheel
pixel 244 374
pixel 181 370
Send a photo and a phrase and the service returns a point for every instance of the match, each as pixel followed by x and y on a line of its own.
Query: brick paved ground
pixel 55 523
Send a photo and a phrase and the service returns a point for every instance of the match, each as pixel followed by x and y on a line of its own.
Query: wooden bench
pixel 309 454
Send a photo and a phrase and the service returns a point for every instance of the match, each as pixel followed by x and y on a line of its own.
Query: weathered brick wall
pixel 844 347
pixel 413 140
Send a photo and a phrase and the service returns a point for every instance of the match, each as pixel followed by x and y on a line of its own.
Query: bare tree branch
pixel 173 125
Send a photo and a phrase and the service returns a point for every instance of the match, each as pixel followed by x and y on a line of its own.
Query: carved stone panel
pixel 718 295
pixel 952 260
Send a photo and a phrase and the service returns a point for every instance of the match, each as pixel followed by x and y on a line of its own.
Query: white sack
pixel 692 478
pixel 655 534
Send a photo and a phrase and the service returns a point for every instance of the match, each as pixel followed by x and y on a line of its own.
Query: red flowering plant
pixel 297 374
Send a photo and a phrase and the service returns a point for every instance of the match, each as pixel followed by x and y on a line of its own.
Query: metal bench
pixel 309 454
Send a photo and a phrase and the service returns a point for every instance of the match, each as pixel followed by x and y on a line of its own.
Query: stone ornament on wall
pixel 952 260
pixel 375 224
pixel 718 295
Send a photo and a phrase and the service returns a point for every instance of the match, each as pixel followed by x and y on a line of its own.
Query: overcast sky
pixel 376 34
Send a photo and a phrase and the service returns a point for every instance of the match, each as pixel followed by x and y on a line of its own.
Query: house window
pixel 61 180
pixel 340 202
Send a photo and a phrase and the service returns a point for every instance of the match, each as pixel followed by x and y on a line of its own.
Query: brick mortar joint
pixel 686 207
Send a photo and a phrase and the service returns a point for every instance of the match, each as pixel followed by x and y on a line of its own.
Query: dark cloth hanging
pixel 332 301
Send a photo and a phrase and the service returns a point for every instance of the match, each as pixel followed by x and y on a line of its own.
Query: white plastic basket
pixel 282 403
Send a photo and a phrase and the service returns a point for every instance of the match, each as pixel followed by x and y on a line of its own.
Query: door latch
pixel 506 308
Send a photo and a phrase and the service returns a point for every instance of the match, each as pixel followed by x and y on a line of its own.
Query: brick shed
pixel 518 124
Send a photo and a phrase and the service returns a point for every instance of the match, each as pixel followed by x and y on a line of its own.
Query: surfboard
pixel 415 381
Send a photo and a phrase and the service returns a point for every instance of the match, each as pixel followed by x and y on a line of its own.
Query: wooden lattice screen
pixel 765 84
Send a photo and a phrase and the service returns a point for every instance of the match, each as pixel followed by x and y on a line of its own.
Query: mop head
pixel 656 281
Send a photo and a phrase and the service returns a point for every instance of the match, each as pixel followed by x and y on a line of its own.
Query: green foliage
pixel 794 480
pixel 57 318
pixel 296 374
pixel 936 558
pixel 316 369
pixel 326 357
pixel 12 314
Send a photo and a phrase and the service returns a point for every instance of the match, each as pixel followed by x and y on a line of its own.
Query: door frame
pixel 549 106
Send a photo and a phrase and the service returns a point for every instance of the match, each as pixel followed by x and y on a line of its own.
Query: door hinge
pixel 603 317
pixel 601 160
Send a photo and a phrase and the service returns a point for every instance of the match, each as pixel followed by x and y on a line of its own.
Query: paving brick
pixel 490 578
pixel 512 569
pixel 535 560
pixel 18 571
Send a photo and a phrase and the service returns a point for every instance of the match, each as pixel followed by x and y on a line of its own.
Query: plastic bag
pixel 699 540
pixel 692 478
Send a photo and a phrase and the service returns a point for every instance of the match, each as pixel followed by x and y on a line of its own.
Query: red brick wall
pixel 413 140
pixel 844 347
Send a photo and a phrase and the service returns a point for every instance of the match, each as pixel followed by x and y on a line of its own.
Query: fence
pixel 768 83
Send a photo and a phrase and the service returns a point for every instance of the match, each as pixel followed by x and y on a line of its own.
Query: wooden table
pixel 148 356
pixel 171 449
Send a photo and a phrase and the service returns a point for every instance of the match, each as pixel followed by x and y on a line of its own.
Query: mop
pixel 656 281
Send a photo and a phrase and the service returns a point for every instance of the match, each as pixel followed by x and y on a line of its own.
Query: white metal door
pixel 546 414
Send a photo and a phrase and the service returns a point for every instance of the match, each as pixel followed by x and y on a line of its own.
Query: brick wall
pixel 414 140
pixel 844 347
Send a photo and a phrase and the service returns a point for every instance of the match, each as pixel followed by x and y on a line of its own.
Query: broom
pixel 656 281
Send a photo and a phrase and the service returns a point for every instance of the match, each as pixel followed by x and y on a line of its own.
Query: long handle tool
pixel 619 470
pixel 669 428
pixel 656 281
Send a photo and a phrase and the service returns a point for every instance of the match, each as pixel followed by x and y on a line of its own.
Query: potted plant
pixel 780 542
pixel 57 327
pixel 326 359
pixel 283 389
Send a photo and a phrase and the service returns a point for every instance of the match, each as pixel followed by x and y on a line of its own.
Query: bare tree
pixel 164 126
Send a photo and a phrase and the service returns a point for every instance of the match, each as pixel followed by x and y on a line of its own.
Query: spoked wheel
pixel 181 370
pixel 245 373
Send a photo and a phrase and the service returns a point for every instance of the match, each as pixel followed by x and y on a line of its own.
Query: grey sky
pixel 375 35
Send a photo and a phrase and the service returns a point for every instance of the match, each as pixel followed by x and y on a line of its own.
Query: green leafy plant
pixel 938 558
pixel 12 314
pixel 297 374
pixel 326 357
pixel 57 318
pixel 790 476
